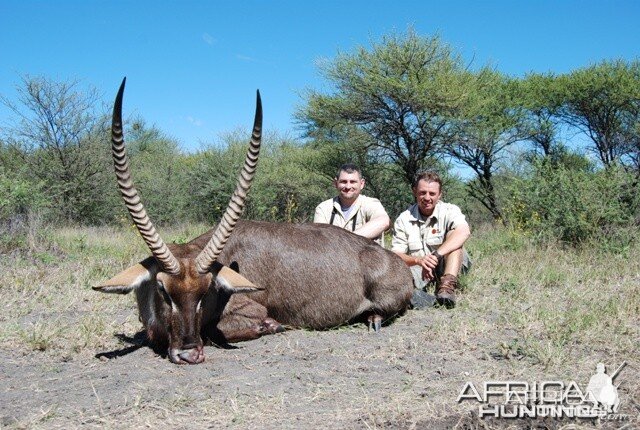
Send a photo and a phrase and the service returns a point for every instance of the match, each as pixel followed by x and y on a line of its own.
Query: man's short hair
pixel 428 176
pixel 349 168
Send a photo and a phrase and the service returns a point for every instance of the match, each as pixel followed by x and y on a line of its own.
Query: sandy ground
pixel 404 377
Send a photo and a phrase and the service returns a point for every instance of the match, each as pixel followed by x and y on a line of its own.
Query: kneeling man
pixel 429 237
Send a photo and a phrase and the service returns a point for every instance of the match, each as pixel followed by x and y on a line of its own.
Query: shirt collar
pixel 338 206
pixel 416 216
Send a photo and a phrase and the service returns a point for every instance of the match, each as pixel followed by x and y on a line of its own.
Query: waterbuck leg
pixel 375 322
pixel 244 319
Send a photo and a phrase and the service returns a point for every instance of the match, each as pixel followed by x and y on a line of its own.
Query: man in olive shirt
pixel 429 237
pixel 351 210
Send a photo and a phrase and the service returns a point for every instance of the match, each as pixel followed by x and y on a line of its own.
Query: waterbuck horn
pixel 130 195
pixel 231 215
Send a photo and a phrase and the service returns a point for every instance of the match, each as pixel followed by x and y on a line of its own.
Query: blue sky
pixel 193 67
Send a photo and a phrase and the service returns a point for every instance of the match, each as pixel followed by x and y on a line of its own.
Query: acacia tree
pixel 603 101
pixel 60 136
pixel 539 97
pixel 491 124
pixel 401 95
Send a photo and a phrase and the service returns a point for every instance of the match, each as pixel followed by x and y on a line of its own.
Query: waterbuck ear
pixel 232 282
pixel 131 278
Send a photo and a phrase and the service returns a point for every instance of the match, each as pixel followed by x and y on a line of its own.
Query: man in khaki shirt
pixel 429 237
pixel 351 210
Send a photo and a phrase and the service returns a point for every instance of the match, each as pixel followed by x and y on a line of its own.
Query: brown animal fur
pixel 314 275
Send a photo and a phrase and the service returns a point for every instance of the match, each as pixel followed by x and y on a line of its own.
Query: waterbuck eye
pixel 163 292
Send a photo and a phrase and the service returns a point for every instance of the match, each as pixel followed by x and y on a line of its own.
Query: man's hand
pixel 428 264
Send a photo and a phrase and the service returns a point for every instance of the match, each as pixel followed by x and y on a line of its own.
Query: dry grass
pixel 527 314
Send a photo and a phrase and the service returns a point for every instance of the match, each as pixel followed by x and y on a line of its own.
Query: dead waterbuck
pixel 300 275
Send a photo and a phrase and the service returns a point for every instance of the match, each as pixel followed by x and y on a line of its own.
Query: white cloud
pixel 208 38
pixel 194 121
pixel 245 58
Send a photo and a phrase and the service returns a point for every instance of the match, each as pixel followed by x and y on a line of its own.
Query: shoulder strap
pixel 333 215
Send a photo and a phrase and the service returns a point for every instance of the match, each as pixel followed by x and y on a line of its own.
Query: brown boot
pixel 446 291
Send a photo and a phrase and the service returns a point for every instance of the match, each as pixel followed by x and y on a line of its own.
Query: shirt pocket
pixel 435 239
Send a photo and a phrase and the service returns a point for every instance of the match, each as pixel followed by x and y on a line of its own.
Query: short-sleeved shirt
pixel 362 211
pixel 418 236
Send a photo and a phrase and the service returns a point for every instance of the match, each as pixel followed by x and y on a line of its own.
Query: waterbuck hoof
pixel 271 326
pixel 375 323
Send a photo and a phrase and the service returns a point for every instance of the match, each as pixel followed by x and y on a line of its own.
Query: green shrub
pixel 572 205
pixel 22 212
pixel 18 196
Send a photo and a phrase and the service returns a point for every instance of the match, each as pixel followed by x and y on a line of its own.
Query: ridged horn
pixel 130 195
pixel 231 215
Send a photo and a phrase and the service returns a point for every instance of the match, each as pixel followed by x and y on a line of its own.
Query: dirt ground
pixel 406 376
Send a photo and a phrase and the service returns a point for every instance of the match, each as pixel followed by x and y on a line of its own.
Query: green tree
pixel 540 98
pixel 603 101
pixel 492 123
pixel 401 96
pixel 60 137
pixel 18 195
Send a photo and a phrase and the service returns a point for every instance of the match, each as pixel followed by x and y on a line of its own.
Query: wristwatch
pixel 437 255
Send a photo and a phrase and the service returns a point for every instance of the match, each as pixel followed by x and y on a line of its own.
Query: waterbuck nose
pixel 190 353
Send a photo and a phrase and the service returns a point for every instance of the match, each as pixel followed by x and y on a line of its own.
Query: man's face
pixel 427 195
pixel 349 185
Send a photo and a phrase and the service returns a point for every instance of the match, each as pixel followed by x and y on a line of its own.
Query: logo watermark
pixel 541 399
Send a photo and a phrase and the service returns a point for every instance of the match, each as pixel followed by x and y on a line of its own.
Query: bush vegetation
pixel 405 104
